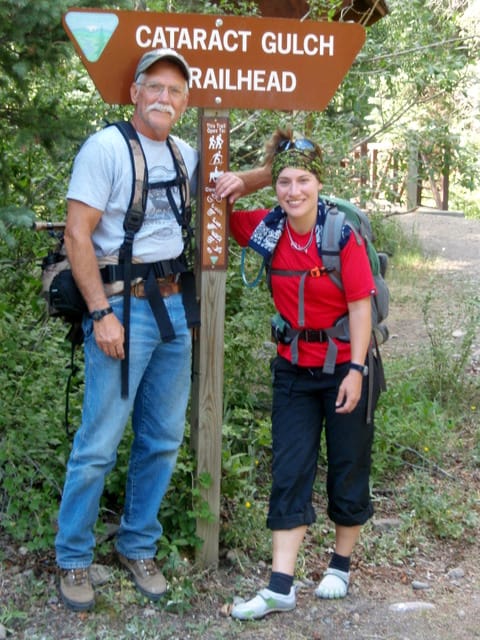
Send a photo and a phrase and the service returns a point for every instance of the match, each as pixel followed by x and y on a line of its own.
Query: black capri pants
pixel 303 404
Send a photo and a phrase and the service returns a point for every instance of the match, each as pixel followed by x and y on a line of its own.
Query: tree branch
pixel 397 54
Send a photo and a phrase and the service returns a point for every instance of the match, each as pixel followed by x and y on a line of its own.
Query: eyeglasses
pixel 300 145
pixel 156 89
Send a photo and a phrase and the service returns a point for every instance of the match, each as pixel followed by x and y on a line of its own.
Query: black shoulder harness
pixel 133 221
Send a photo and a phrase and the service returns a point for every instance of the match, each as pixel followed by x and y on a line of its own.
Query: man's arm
pixel 234 185
pixel 81 222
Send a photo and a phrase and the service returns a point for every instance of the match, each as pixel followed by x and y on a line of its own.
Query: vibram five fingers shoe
pixel 333 585
pixel 263 603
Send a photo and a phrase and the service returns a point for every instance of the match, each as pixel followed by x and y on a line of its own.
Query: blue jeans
pixel 159 378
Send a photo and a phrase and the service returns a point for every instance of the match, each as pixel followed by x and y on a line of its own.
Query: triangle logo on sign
pixel 92 31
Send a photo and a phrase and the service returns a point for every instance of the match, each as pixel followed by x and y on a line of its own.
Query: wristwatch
pixel 98 314
pixel 361 368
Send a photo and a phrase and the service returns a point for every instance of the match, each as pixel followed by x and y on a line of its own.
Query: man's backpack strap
pixel 139 192
pixel 181 170
pixel 190 302
pixel 132 223
pixel 185 216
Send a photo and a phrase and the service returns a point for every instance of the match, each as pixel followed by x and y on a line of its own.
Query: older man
pixel 159 344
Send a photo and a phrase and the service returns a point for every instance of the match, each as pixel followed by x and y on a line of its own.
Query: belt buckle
pixel 313 335
pixel 166 280
pixel 137 289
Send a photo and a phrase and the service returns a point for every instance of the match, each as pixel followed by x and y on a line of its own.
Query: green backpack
pixel 342 213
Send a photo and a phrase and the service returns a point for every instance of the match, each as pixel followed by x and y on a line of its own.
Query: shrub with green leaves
pixel 33 443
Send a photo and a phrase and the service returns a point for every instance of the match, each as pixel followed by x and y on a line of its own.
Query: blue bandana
pixel 266 235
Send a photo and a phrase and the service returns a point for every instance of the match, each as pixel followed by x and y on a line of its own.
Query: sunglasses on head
pixel 300 145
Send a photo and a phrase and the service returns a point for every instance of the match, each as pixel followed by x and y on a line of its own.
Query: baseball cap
pixel 169 55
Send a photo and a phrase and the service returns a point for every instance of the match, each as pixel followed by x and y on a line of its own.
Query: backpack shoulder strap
pixel 138 197
pixel 182 173
pixel 329 246
pixel 132 222
pixel 183 216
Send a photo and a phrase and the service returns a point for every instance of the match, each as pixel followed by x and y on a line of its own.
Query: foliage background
pixel 415 83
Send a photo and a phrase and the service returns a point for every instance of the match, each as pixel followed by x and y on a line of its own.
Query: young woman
pixel 305 398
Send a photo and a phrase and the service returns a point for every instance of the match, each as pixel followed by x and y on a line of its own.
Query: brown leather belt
pixel 167 287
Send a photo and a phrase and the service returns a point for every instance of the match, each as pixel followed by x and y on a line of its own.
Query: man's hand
pixel 109 336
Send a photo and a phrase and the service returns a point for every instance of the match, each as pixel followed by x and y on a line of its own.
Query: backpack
pixel 342 212
pixel 60 291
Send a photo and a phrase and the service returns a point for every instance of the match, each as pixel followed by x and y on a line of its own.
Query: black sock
pixel 280 583
pixel 342 563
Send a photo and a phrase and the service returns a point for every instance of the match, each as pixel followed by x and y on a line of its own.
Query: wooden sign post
pixel 207 390
pixel 235 62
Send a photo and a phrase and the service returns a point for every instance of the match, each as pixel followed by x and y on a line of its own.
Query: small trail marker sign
pixel 215 156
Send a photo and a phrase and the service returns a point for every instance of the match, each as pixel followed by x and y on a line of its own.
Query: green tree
pixel 47 104
pixel 419 65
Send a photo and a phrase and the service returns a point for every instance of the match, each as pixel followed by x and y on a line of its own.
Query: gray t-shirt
pixel 102 178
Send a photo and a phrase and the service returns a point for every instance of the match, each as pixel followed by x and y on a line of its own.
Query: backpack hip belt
pixel 113 274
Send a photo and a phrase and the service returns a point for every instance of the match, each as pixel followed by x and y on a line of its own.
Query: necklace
pixel 297 246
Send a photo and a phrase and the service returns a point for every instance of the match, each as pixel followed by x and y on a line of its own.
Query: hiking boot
pixel 146 576
pixel 263 603
pixel 76 589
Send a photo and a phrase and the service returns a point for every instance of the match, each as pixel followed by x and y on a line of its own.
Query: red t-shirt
pixel 324 302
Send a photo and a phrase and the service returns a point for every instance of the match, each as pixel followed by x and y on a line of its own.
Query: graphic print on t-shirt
pixel 159 211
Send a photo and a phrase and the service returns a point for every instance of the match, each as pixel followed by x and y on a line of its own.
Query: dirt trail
pixel 451 245
pixel 451 238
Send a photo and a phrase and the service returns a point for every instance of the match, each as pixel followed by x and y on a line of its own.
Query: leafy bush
pixel 33 444
pixel 447 378
pixel 448 510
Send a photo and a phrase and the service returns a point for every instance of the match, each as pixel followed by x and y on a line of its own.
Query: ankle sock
pixel 342 563
pixel 280 583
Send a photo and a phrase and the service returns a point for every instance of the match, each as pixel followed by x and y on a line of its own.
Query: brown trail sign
pixel 242 63
pixel 250 63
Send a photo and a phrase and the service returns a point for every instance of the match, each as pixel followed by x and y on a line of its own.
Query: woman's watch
pixel 361 368
pixel 98 314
